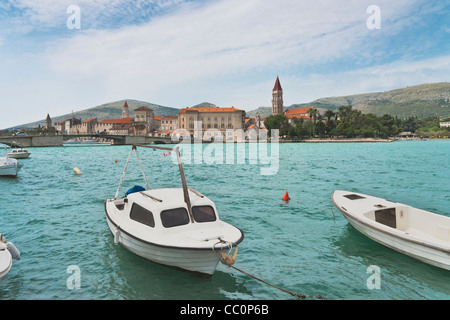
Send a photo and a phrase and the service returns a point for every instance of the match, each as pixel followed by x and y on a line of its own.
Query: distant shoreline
pixel 337 140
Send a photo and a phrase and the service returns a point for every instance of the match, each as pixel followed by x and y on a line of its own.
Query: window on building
pixel 203 214
pixel 174 217
pixel 142 215
pixel 215 125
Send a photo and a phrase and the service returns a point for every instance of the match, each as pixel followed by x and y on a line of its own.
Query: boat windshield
pixel 174 217
pixel 203 214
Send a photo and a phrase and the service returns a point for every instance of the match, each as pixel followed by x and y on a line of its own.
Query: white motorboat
pixel 176 227
pixel 8 252
pixel 417 233
pixel 19 153
pixel 9 167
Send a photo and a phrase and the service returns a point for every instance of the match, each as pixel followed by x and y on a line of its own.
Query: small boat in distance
pixel 9 167
pixel 176 227
pixel 19 153
pixel 417 233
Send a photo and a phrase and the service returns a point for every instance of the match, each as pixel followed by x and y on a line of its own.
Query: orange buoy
pixel 286 196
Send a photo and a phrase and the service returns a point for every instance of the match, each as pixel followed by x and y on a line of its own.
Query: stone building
pixel 144 121
pixel 211 118
pixel 169 124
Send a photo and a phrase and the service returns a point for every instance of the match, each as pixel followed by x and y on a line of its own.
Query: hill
pixel 425 100
pixel 112 110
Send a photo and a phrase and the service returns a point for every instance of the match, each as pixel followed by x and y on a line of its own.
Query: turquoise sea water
pixel 57 220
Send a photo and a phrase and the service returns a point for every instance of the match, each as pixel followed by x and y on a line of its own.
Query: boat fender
pixel 229 260
pixel 15 253
pixel 76 170
pixel 116 236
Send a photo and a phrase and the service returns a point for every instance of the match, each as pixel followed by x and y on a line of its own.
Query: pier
pixel 58 140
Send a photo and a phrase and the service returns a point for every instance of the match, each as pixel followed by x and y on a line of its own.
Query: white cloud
pixel 226 52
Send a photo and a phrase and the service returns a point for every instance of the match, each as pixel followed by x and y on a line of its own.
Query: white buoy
pixel 76 170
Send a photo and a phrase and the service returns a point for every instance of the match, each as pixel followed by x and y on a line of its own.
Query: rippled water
pixel 56 219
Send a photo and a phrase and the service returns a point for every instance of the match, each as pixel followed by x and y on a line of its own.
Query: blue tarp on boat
pixel 134 189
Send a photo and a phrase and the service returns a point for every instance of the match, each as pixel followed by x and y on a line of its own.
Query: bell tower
pixel 125 111
pixel 277 98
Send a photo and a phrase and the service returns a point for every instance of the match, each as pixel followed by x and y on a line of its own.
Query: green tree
pixel 279 121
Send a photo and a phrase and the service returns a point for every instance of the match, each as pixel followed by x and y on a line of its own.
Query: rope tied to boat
pixel 228 260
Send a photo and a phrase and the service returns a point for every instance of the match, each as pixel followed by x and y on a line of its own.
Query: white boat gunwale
pixel 403 235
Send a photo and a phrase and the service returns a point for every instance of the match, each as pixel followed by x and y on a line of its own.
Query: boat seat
pixel 443 232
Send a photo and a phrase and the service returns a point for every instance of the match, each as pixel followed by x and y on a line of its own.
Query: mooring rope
pixel 29 172
pixel 223 260
pixel 298 296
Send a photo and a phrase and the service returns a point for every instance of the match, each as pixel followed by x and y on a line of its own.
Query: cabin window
pixel 142 215
pixel 174 217
pixel 353 197
pixel 386 217
pixel 203 214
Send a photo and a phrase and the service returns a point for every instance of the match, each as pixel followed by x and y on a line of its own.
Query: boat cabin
pixel 162 209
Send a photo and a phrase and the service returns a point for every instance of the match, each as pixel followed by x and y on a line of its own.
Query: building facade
pixel 169 124
pixel 144 121
pixel 211 118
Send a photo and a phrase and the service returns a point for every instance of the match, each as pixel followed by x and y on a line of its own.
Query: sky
pixel 59 56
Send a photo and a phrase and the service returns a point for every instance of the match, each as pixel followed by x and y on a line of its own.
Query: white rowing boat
pixel 417 233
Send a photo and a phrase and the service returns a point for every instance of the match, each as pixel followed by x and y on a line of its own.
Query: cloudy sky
pixel 179 53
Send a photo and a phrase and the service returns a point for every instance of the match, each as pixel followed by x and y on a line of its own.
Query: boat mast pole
pixel 124 170
pixel 185 188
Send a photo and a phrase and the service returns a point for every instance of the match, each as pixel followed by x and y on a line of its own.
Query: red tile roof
pixel 217 109
pixel 143 108
pixel 277 86
pixel 297 111
pixel 89 120
pixel 117 121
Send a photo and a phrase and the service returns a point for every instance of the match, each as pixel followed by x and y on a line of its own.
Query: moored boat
pixel 417 233
pixel 176 227
pixel 9 167
pixel 19 153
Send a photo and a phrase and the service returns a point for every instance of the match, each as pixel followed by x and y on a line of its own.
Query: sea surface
pixel 57 220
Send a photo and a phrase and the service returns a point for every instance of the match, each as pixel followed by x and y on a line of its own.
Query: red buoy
pixel 286 196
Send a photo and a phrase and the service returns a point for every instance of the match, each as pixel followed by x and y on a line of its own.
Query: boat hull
pixel 200 261
pixel 5 261
pixel 22 155
pixel 404 242
pixel 437 258
pixel 10 169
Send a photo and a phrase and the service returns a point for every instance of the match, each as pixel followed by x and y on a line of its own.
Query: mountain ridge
pixel 424 100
